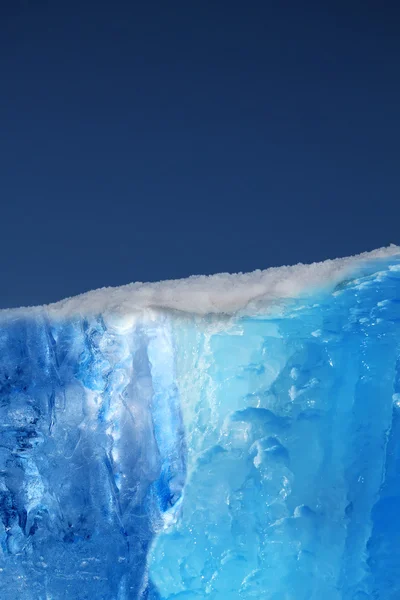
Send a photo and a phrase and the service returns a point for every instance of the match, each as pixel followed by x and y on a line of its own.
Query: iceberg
pixel 228 437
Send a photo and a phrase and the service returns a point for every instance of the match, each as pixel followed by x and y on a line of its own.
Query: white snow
pixel 223 293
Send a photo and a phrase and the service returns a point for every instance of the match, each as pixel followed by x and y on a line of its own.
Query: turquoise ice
pixel 228 438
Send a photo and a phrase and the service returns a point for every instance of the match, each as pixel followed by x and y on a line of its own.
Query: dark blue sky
pixel 153 140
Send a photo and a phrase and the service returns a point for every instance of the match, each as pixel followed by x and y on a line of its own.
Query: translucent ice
pixel 222 438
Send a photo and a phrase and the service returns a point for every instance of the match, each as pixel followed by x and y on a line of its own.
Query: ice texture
pixel 223 438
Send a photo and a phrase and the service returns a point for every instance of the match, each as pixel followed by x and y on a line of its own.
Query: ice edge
pixel 206 294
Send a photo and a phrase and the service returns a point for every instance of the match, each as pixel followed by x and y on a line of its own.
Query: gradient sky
pixel 157 139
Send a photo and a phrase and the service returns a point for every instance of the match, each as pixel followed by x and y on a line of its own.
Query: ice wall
pixel 176 443
pixel 92 454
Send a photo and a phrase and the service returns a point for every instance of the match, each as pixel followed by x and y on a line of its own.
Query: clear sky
pixel 157 139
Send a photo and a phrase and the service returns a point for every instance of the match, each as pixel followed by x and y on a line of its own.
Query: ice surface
pixel 222 438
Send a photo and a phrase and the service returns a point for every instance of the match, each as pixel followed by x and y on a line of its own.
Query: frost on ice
pixel 222 438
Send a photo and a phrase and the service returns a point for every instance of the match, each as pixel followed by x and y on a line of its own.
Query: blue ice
pixel 175 456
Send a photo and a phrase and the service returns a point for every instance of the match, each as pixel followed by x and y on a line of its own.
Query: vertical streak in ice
pixel 166 414
pixel 383 547
pixel 368 435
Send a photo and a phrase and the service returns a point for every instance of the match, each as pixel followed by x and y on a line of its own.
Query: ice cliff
pixel 221 438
